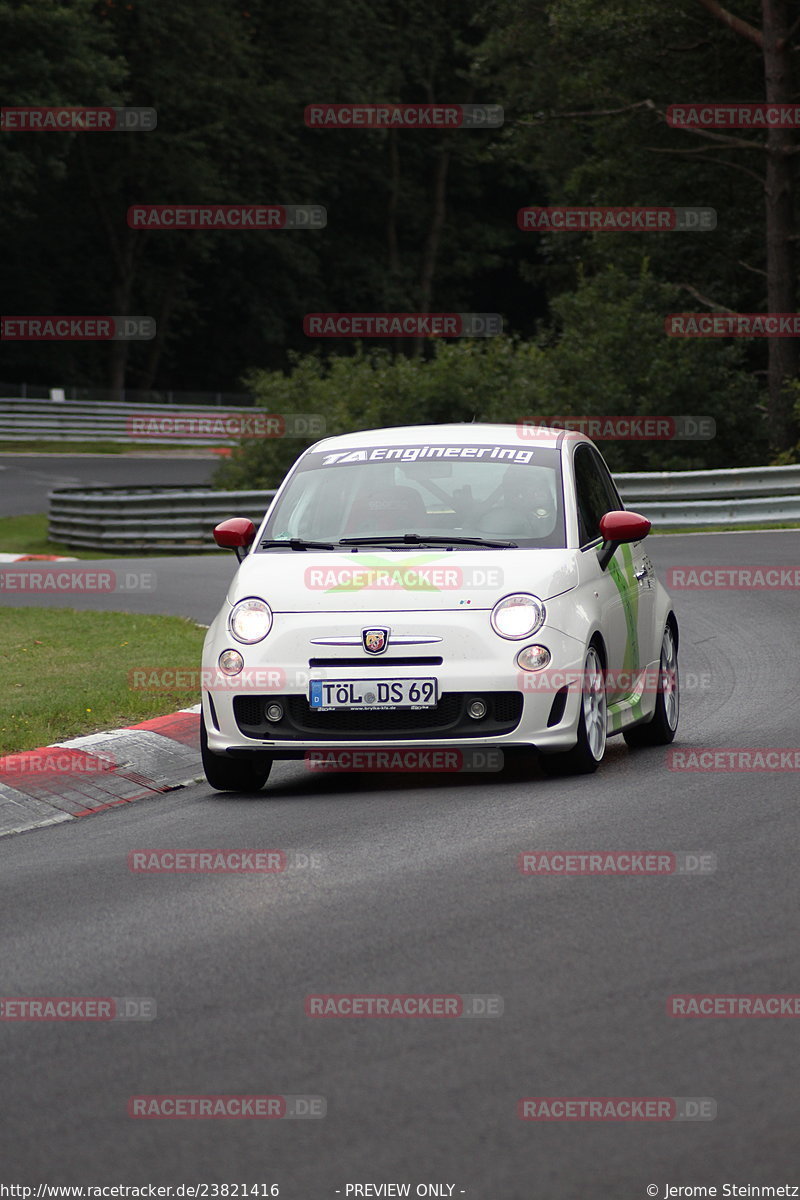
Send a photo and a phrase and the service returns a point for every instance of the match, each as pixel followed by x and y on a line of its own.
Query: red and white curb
pixel 102 770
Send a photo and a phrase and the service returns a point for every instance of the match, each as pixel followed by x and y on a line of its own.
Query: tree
pixel 54 54
pixel 774 40
pixel 591 84
pixel 208 147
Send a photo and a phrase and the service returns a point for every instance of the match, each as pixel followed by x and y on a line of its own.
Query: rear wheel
pixel 587 754
pixel 233 774
pixel 661 728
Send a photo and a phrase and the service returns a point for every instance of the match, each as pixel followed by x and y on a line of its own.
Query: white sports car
pixel 469 586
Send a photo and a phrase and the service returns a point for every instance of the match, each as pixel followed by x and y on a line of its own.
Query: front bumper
pixel 468 661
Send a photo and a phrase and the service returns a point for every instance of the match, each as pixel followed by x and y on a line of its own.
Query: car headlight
pixel 517 616
pixel 250 620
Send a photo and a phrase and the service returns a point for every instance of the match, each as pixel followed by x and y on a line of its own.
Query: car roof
pixel 468 433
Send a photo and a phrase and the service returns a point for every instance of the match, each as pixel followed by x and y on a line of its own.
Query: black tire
pixel 587 753
pixel 660 730
pixel 233 774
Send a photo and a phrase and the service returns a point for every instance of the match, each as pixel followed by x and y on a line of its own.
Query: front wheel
pixel 662 726
pixel 587 754
pixel 233 774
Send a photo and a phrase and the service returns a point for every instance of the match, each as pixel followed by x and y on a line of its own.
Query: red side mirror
pixel 617 527
pixel 624 527
pixel 235 534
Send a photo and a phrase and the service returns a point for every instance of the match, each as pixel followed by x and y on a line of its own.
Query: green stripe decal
pixel 628 589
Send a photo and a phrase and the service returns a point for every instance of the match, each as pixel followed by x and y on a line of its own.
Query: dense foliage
pixel 420 220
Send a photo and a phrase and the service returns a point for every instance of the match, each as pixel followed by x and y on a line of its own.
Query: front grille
pixel 448 719
pixel 249 710
pixel 507 707
pixel 420 660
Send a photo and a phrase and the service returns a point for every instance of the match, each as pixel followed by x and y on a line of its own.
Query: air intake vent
pixel 448 719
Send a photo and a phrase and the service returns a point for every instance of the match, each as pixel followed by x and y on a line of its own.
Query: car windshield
pixel 478 491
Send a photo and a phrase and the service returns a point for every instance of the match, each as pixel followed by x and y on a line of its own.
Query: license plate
pixel 372 694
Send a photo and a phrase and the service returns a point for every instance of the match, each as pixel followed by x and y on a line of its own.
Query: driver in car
pixel 522 506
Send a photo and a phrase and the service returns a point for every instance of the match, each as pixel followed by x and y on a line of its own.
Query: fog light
pixel 477 709
pixel 533 658
pixel 230 662
pixel 274 712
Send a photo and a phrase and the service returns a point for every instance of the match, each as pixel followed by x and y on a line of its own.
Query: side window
pixel 595 492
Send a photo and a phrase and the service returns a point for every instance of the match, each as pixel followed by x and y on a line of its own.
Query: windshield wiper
pixel 296 544
pixel 418 539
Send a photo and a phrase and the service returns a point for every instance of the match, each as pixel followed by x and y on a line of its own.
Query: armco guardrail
pixel 698 499
pixel 28 392
pixel 156 424
pixel 145 519
pixel 738 484
pixel 118 519
pixel 705 514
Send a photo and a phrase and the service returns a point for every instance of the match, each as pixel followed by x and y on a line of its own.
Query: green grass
pixel 66 673
pixel 28 535
pixel 725 528
pixel 35 447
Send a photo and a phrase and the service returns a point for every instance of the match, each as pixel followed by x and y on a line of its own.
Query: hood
pixel 381 580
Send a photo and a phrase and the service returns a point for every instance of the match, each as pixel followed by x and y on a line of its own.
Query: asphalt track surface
pixel 25 480
pixel 418 892
pixel 191 586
